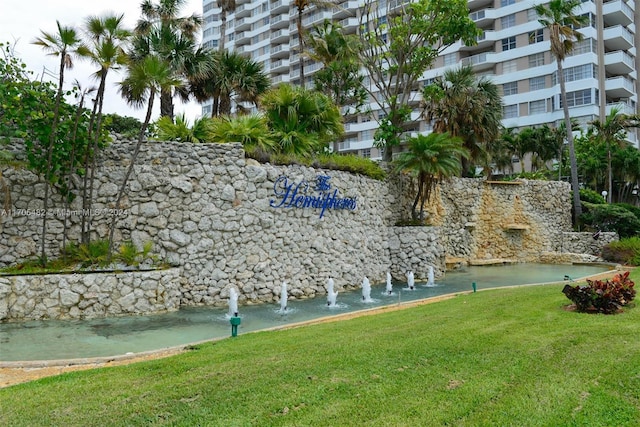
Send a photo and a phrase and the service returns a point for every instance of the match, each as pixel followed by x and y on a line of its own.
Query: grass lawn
pixel 507 357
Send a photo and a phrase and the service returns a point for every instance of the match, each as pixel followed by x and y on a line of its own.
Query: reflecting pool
pixel 71 339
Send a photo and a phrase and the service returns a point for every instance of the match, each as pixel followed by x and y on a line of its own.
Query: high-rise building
pixel 514 50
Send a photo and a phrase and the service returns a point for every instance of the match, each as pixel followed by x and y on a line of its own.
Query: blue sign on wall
pixel 303 195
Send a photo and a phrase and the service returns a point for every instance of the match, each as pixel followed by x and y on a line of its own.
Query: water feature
pixel 233 303
pixel 410 281
pixel 56 339
pixel 430 277
pixel 283 298
pixel 332 295
pixel 366 290
pixel 389 288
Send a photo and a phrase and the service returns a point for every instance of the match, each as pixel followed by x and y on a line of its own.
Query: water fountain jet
pixel 366 290
pixel 233 303
pixel 410 281
pixel 430 278
pixel 389 288
pixel 283 298
pixel 331 294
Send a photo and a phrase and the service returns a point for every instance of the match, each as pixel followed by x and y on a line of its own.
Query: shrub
pixel 599 296
pixel 625 251
pixel 590 196
pixel 611 217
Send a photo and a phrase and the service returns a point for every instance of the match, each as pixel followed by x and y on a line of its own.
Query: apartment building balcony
pixel 484 41
pixel 243 11
pixel 617 12
pixel 619 62
pixel 280 78
pixel 480 62
pixel 280 66
pixel 618 38
pixel 317 17
pixel 280 36
pixel 619 87
pixel 483 17
pixel 478 4
pixel 280 6
pixel 347 144
pixel 279 21
pixel 345 9
pixel 243 38
pixel 348 23
pixel 280 51
pixel 623 107
pixel 243 24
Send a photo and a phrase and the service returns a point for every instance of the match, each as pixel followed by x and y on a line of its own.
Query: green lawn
pixel 507 357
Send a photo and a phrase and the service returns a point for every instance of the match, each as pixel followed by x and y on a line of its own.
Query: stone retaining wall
pixel 85 296
pixel 217 216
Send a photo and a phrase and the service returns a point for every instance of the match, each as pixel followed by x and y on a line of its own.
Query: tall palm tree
pixel 108 40
pixel 145 79
pixel 226 6
pixel 301 6
pixel 65 44
pixel 229 77
pixel 613 132
pixel 161 31
pixel 431 158
pixel 466 107
pixel 560 19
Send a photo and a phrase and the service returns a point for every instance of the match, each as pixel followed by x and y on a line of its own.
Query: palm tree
pixel 161 31
pixel 302 121
pixel 229 77
pixel 145 79
pixel 226 6
pixel 107 40
pixel 301 6
pixel 559 18
pixel 250 130
pixel 613 132
pixel 431 158
pixel 65 43
pixel 466 107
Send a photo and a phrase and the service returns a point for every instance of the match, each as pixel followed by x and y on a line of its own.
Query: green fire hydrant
pixel 235 321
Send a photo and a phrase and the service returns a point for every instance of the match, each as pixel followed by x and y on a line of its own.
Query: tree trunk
pixel 575 185
pixel 166 104
pixel 134 156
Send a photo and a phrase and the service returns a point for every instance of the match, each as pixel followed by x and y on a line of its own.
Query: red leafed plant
pixel 599 296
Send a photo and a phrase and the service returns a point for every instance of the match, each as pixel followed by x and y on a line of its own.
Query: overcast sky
pixel 22 20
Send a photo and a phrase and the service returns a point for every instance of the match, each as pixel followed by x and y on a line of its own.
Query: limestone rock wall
pixel 484 220
pixel 85 296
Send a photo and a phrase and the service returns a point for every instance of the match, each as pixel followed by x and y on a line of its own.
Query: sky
pixel 21 22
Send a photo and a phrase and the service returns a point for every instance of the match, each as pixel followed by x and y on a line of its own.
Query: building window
pixel 536 60
pixel 510 66
pixel 510 88
pixel 580 72
pixel 538 107
pixel 510 111
pixel 509 43
pixel 366 153
pixel 504 3
pixel 450 59
pixel 579 97
pixel 536 36
pixel 583 46
pixel 537 83
pixel 532 15
pixel 508 21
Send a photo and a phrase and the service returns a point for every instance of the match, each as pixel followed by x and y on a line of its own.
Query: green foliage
pixel 590 196
pixel 350 163
pixel 129 254
pixel 301 121
pixel 624 251
pixel 431 158
pixel 397 53
pixel 167 130
pixel 599 296
pixel 128 127
pixel 611 217
pixel 96 253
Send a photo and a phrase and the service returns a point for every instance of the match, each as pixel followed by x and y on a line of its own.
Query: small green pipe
pixel 473 285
